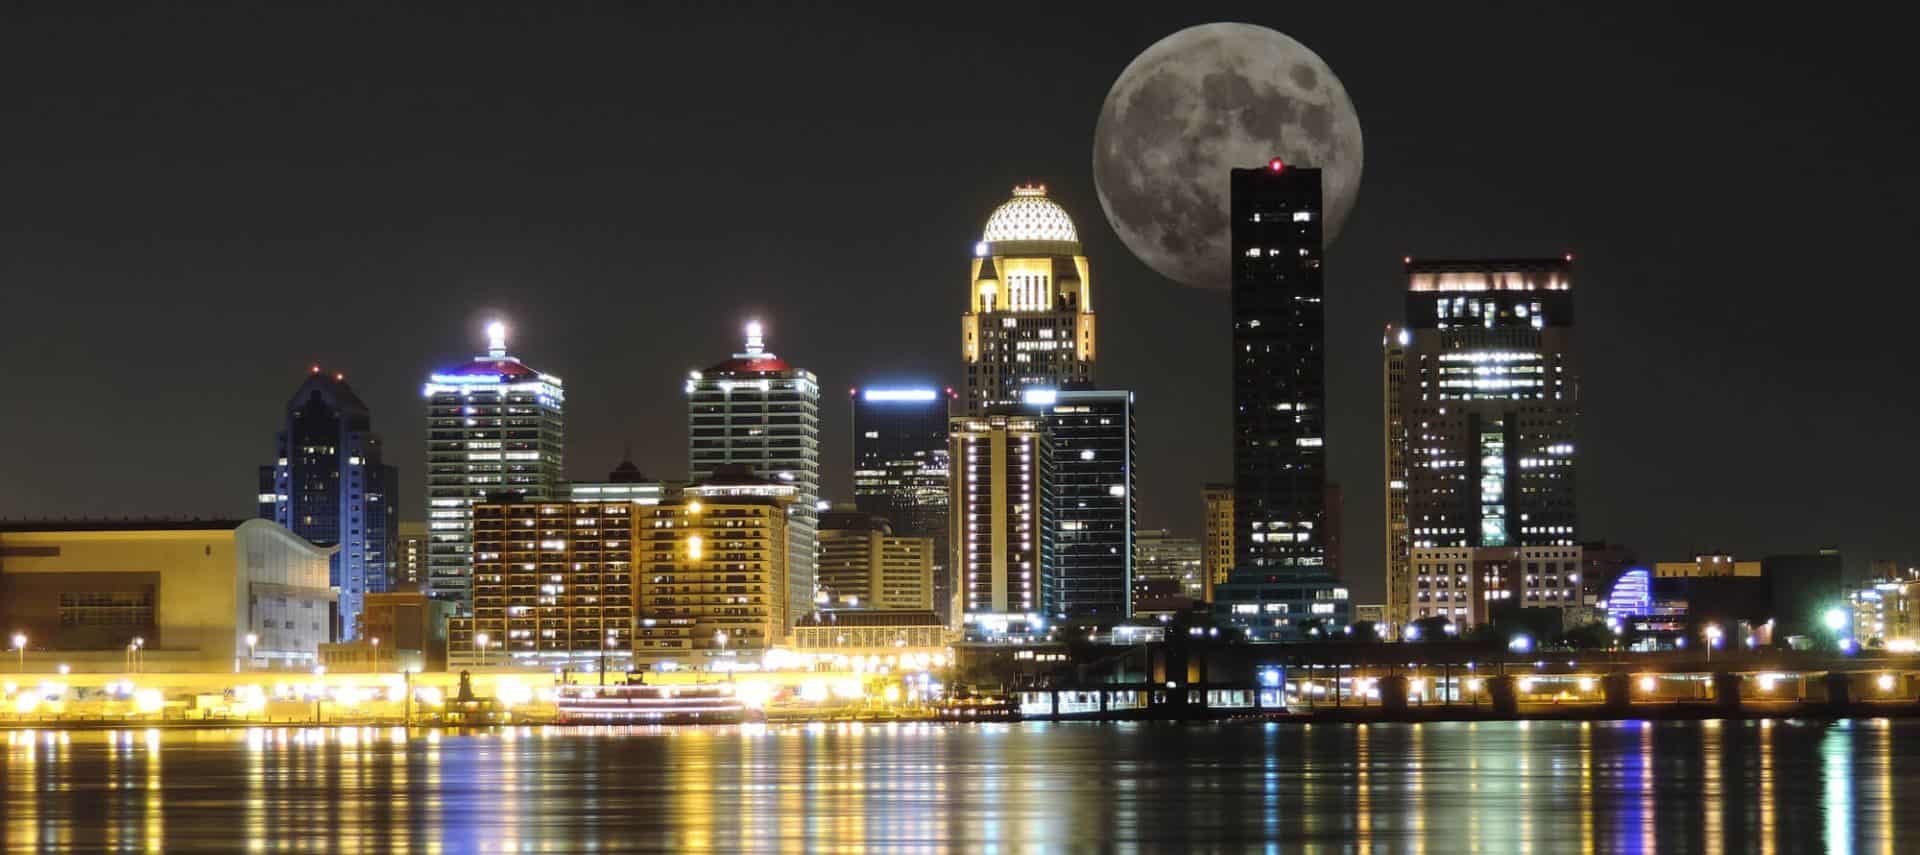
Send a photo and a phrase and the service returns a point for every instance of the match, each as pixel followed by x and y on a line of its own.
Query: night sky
pixel 195 205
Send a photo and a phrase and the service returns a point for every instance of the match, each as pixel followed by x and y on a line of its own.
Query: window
pixel 106 608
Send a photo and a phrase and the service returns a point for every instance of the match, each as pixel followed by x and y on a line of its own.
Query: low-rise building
pixel 200 595
pixel 864 565
pixel 1886 611
pixel 864 631
pixel 1284 605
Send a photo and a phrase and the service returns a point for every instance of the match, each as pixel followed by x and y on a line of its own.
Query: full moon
pixel 1197 104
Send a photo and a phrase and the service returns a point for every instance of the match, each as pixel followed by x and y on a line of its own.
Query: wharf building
pixel 329 485
pixel 1001 535
pixel 493 424
pixel 755 410
pixel 864 565
pixel 1029 322
pixel 182 596
pixel 901 472
pixel 1482 390
pixel 713 566
pixel 553 585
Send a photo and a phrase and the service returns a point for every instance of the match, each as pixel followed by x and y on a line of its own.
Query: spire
pixel 496 340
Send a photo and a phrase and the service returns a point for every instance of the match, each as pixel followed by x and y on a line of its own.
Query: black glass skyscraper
pixel 330 486
pixel 1093 492
pixel 900 470
pixel 1279 371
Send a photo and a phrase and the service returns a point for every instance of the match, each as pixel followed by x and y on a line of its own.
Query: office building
pixel 493 425
pixel 1001 532
pixel 1029 322
pixel 411 627
pixel 1488 402
pixel 754 409
pixel 1093 479
pixel 713 567
pixel 553 585
pixel 864 565
pixel 626 483
pixel 900 471
pixel 1335 503
pixel 1279 371
pixel 1393 377
pixel 1704 565
pixel 1160 558
pixel 1886 610
pixel 329 485
pixel 192 594
pixel 1284 605
pixel 1217 534
pixel 410 570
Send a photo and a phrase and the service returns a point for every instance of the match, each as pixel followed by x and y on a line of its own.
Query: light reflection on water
pixel 1495 787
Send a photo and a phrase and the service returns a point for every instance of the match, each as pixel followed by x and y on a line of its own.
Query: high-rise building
pixel 626 483
pixel 1335 503
pixel 1279 371
pixel 713 567
pixel 1217 535
pixel 864 565
pixel 1393 378
pixel 1159 557
pixel 1029 320
pixel 1092 433
pixel 756 410
pixel 330 486
pixel 410 571
pixel 1001 532
pixel 1488 401
pixel 493 425
pixel 552 585
pixel 900 471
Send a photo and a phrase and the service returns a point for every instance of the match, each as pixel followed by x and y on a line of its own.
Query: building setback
pixel 901 470
pixel 864 565
pixel 1002 539
pixel 1029 322
pixel 1488 399
pixel 1093 479
pixel 330 486
pixel 757 411
pixel 493 425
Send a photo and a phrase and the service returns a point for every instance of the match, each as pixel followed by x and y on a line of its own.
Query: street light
pixel 376 653
pixel 481 639
pixel 720 635
pixel 139 651
pixel 252 640
pixel 1836 619
pixel 20 647
pixel 1712 632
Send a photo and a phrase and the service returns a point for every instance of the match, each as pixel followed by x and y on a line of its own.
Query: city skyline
pixel 1659 381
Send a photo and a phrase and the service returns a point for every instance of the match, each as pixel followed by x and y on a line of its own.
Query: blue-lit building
pixel 329 485
pixel 900 471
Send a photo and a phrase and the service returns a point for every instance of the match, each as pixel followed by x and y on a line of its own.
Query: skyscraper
pixel 410 570
pixel 1001 531
pixel 1279 371
pixel 1029 319
pixel 1488 399
pixel 330 486
pixel 900 470
pixel 1093 492
pixel 756 410
pixel 713 566
pixel 493 425
pixel 1393 378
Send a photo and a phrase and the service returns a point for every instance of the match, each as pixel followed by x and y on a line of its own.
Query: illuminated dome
pixel 1030 215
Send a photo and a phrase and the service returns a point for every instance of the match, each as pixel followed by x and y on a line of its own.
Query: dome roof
pixel 1029 215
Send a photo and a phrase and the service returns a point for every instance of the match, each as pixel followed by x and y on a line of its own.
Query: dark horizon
pixel 204 203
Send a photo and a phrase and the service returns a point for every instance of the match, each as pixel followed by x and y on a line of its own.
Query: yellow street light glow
pixel 693 507
pixel 1586 684
pixel 1646 684
pixel 696 547
pixel 1885 682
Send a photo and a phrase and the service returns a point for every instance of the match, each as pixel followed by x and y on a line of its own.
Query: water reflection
pixel 1540 786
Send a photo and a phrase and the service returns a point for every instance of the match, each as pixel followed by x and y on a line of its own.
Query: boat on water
pixel 642 703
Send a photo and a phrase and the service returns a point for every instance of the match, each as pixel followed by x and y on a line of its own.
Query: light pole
pixel 720 635
pixel 252 640
pixel 139 652
pixel 1712 633
pixel 376 653
pixel 481 639
pixel 613 640
pixel 20 647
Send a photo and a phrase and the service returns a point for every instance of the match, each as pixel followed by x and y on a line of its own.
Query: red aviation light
pixel 1276 165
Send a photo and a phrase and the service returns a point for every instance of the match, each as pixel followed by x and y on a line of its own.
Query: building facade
pixel 493 425
pixel 1488 399
pixel 330 485
pixel 1279 371
pixel 864 565
pixel 1217 534
pixel 1886 610
pixel 553 585
pixel 757 411
pixel 1399 546
pixel 1094 454
pixel 1001 533
pixel 191 593
pixel 901 470
pixel 410 569
pixel 1029 321
pixel 1160 557
pixel 713 568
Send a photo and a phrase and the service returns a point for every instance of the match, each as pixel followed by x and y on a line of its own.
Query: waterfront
pixel 1490 786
